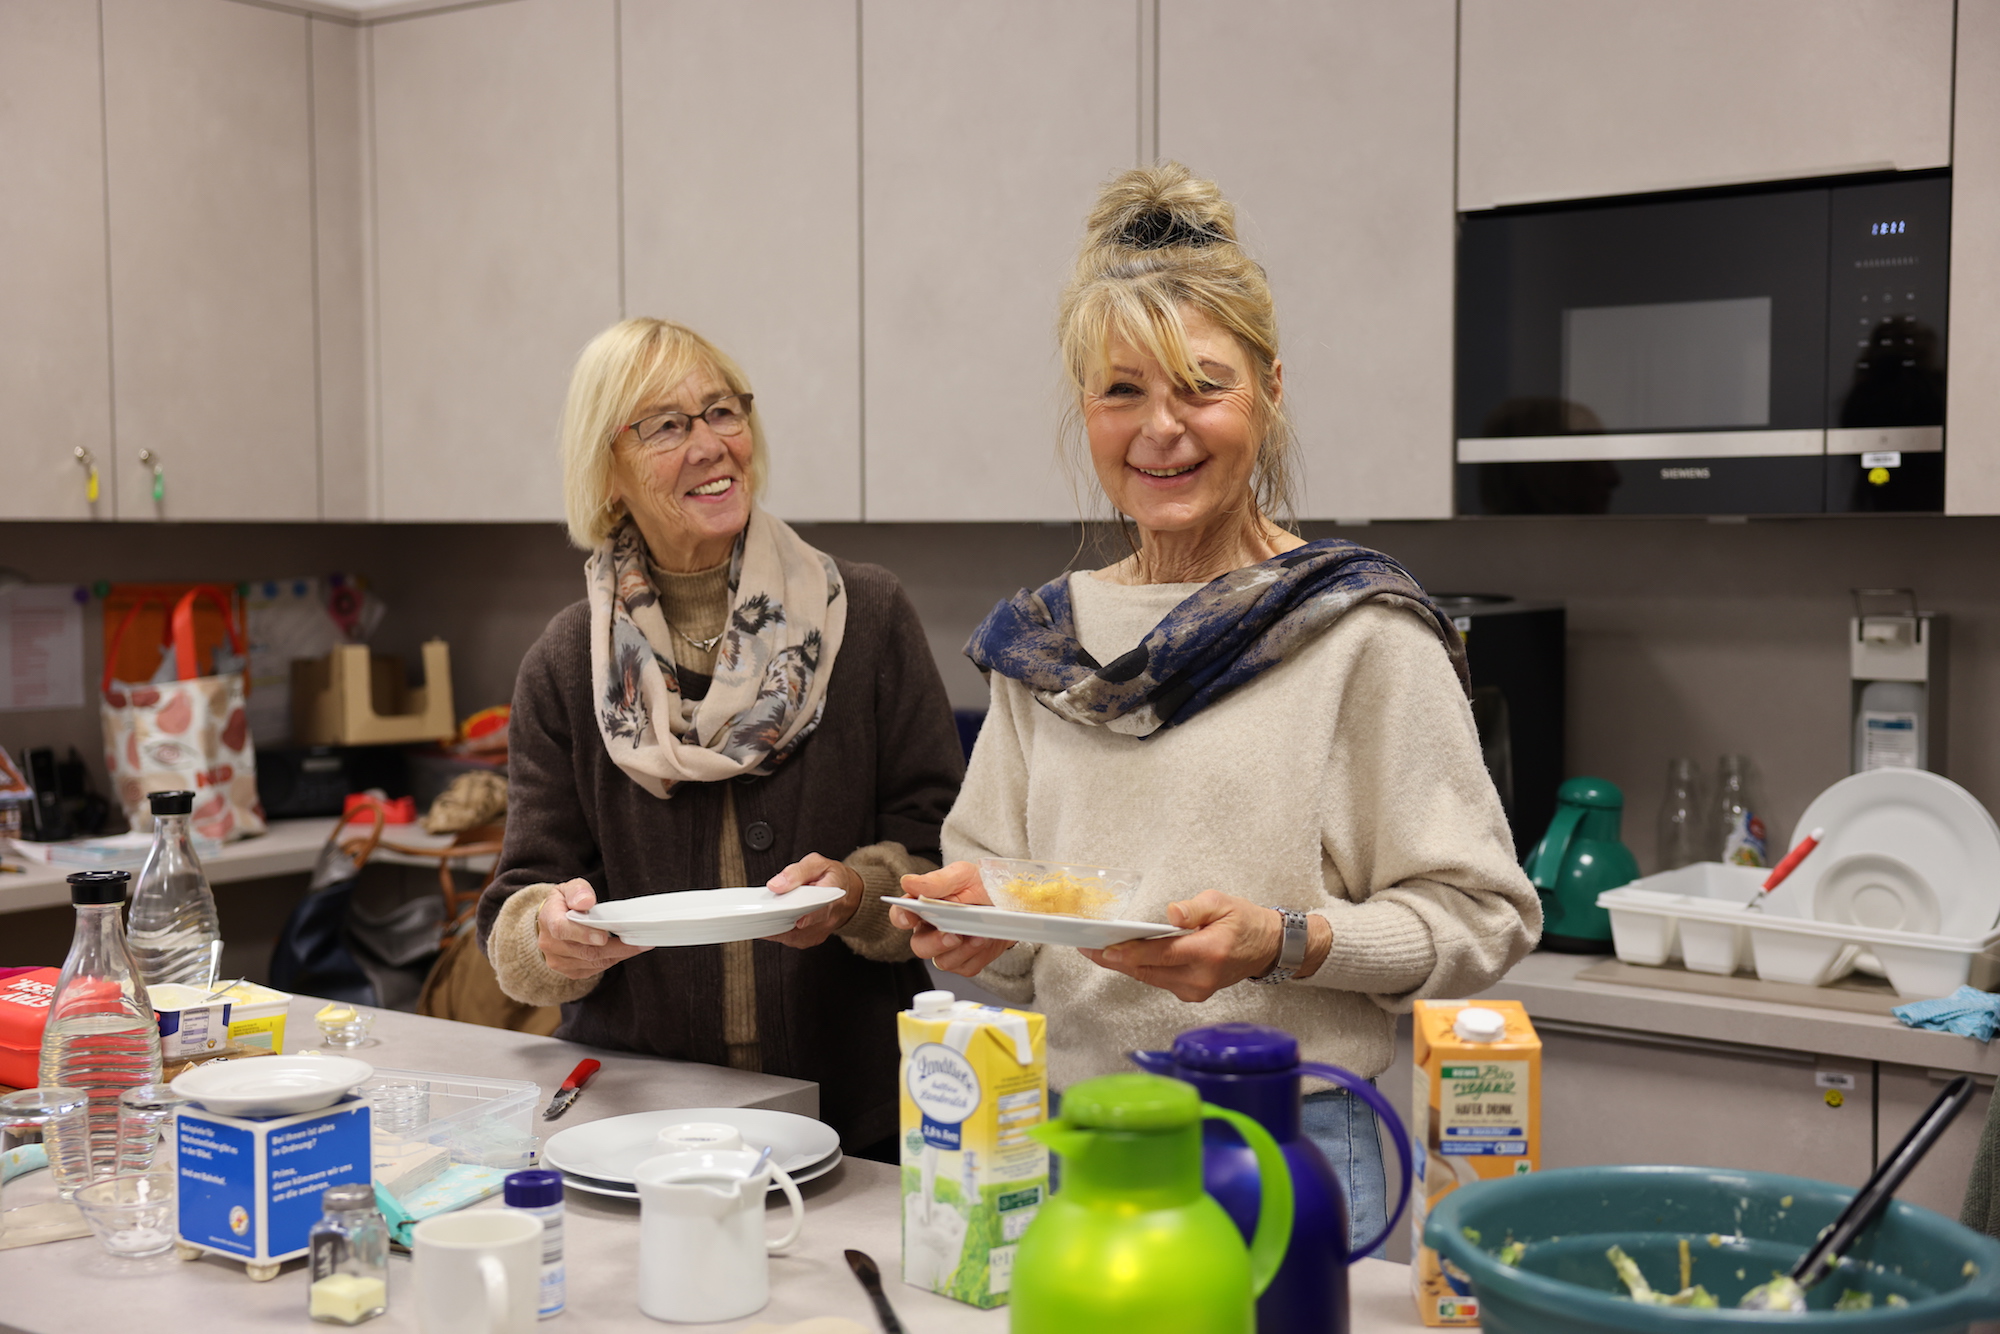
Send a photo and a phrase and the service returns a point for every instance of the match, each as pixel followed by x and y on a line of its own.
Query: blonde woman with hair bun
pixel 1275 732
pixel 726 706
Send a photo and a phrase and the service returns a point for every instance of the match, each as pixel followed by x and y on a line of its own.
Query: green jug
pixel 1131 1241
pixel 1579 858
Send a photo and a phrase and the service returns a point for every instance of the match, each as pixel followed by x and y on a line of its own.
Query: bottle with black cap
pixel 173 924
pixel 101 1036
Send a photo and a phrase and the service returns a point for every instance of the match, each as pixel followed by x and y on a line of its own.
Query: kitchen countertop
pixel 73 1286
pixel 1547 984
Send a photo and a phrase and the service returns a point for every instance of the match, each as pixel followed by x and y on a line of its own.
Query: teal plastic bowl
pixel 1760 1224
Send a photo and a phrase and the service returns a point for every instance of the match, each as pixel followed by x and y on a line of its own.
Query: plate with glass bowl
pixel 706 916
pixel 1045 903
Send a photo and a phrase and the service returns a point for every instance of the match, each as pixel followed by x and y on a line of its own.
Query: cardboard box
pixel 1477 1113
pixel 251 1189
pixel 352 698
pixel 24 1012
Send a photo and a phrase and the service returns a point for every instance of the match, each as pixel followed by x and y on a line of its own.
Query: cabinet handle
pixel 152 460
pixel 88 462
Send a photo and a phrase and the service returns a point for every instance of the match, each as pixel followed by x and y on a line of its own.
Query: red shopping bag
pixel 192 733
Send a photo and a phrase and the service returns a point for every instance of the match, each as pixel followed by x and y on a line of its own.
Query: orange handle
pixel 185 666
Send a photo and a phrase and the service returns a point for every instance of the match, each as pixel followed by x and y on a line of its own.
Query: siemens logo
pixel 1683 474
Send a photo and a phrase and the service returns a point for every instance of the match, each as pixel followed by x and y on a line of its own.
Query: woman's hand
pixel 1233 939
pixel 571 948
pixel 817 925
pixel 964 955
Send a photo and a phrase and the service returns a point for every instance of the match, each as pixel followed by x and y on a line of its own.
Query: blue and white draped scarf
pixel 1221 637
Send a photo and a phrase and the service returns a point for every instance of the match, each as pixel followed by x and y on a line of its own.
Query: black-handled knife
pixel 864 1269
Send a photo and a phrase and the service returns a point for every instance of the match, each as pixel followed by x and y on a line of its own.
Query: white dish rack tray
pixel 1700 915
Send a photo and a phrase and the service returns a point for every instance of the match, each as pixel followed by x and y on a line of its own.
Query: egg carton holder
pixel 1700 915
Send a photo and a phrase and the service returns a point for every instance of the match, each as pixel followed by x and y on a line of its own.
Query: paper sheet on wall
pixel 41 647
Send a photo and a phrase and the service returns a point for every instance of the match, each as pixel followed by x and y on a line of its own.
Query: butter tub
pixel 257 1015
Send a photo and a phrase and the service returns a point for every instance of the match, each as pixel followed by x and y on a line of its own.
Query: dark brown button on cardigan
pixel 883 765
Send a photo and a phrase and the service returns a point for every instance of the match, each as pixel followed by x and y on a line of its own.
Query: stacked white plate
pixel 1908 872
pixel 706 916
pixel 603 1157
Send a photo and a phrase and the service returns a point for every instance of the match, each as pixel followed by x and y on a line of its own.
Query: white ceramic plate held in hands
pixel 272 1085
pixel 972 919
pixel 609 1150
pixel 706 916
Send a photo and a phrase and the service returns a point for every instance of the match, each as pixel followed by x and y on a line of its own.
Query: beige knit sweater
pixel 1347 782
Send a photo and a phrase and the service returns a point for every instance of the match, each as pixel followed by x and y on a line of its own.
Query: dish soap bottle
pixel 1130 1240
pixel 101 1037
pixel 1741 839
pixel 173 922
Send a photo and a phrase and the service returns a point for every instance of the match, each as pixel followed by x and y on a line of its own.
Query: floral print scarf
pixel 1224 634
pixel 787 612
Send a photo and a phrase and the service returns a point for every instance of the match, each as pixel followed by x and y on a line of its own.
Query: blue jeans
pixel 1343 1127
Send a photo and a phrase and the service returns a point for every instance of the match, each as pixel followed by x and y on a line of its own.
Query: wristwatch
pixel 1292 953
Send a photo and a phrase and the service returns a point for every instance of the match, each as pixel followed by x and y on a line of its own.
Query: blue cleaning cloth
pixel 1966 1012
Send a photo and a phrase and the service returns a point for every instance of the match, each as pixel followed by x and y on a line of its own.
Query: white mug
pixel 478 1272
pixel 697 1136
pixel 703 1254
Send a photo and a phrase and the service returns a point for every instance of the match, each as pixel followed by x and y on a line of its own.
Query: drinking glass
pixel 146 1128
pixel 58 1118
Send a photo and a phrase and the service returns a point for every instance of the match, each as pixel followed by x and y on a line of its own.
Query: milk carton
pixel 1477 1114
pixel 974 1080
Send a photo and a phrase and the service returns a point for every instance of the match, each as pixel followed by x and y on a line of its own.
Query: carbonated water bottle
pixel 173 921
pixel 101 1036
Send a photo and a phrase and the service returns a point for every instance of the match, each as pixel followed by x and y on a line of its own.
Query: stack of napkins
pixel 1967 1012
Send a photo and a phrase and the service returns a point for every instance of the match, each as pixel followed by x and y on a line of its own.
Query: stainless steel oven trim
pixel 1885 439
pixel 1650 445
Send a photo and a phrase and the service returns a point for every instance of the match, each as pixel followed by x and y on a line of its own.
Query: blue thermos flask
pixel 1256 1070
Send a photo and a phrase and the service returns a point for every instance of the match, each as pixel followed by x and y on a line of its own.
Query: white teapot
pixel 703 1252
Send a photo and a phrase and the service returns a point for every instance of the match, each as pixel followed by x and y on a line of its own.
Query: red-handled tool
pixel 570 1088
pixel 1792 859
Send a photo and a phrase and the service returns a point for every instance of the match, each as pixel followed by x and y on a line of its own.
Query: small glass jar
pixel 349 1258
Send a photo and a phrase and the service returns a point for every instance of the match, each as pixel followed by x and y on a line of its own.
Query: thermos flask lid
pixel 1241 1049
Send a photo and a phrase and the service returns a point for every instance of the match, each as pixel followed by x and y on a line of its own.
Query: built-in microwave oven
pixel 1777 350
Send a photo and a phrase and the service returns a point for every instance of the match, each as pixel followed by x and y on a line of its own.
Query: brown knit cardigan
pixel 883 765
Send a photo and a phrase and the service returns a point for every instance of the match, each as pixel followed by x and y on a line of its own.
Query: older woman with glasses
pixel 726 706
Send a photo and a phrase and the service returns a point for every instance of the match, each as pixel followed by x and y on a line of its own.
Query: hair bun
pixel 1161 207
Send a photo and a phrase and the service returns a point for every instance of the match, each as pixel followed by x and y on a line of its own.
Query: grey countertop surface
pixel 73 1287
pixel 1548 985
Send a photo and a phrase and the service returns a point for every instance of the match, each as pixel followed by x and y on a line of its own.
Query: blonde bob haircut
pixel 1159 242
pixel 622 371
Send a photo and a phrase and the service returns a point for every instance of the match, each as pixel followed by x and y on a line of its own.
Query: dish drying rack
pixel 1700 916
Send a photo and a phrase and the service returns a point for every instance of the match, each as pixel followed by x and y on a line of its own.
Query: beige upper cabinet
pixel 55 358
pixel 497 249
pixel 1571 99
pixel 986 131
pixel 1328 123
pixel 211 257
pixel 1972 405
pixel 742 216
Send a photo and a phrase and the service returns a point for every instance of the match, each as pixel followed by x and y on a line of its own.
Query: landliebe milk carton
pixel 974 1081
pixel 1477 1113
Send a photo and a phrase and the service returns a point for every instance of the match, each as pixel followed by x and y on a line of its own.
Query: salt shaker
pixel 349 1258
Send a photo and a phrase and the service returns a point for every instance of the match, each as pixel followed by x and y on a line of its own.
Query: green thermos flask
pixel 1579 858
pixel 1131 1241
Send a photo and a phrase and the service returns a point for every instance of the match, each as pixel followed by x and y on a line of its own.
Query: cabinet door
pixel 211 244
pixel 1329 126
pixel 1972 405
pixel 496 178
pixel 347 482
pixel 1567 99
pixel 986 131
pixel 1633 1098
pixel 55 368
pixel 1902 1095
pixel 742 216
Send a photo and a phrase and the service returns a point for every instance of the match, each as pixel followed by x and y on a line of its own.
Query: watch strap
pixel 1291 953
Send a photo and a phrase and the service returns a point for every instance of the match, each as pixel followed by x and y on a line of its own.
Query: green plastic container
pixel 1569 1217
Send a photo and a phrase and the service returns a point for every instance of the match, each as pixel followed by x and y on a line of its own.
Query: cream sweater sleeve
pixel 517 960
pixel 1425 898
pixel 990 818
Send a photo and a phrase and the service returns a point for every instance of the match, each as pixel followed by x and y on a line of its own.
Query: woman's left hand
pixel 1233 939
pixel 813 869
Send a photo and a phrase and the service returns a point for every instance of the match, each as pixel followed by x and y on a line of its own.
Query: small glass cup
pixel 399 1108
pixel 133 1215
pixel 344 1026
pixel 57 1118
pixel 146 1128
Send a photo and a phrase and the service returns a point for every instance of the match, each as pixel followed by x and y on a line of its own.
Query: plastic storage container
pixel 487 1122
pixel 257 1015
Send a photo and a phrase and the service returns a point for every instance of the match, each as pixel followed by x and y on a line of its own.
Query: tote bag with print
pixel 192 733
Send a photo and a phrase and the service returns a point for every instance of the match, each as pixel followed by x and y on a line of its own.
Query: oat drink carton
pixel 1476 1114
pixel 974 1082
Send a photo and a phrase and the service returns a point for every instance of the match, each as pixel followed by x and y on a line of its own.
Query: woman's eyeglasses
pixel 669 430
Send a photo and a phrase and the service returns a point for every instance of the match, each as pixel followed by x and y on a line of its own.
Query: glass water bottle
pixel 1683 829
pixel 173 922
pixel 101 1037
pixel 1739 836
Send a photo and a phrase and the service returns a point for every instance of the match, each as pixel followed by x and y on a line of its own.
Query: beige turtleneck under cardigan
pixel 1346 782
pixel 697 605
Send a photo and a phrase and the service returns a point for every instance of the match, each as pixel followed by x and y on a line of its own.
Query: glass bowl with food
pixel 1059 888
